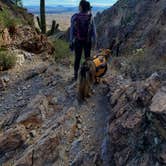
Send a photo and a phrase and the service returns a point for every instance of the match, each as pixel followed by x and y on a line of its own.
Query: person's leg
pixel 78 53
pixel 87 49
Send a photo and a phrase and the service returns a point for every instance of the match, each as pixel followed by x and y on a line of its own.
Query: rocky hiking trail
pixel 44 122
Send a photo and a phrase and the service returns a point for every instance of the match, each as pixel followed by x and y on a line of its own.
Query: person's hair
pixel 85 5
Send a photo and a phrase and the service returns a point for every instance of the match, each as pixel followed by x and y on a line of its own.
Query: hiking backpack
pixel 83 26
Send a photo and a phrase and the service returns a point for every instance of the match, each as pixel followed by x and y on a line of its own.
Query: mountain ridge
pixel 129 27
pixel 60 9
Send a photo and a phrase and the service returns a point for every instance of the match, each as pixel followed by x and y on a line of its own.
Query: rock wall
pixel 137 124
pixel 133 24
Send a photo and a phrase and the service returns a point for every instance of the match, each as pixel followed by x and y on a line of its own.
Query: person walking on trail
pixel 82 34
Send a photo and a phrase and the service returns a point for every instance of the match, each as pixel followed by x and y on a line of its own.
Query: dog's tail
pixel 83 71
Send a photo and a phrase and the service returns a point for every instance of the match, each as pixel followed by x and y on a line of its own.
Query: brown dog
pixel 92 70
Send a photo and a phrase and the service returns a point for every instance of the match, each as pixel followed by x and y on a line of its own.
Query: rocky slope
pixel 18 12
pixel 135 32
pixel 41 120
pixel 43 123
pixel 17 30
pixel 137 124
pixel 133 24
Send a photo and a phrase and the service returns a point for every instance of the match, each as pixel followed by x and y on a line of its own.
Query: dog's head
pixel 106 53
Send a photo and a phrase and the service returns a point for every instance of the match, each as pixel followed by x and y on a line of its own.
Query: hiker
pixel 82 34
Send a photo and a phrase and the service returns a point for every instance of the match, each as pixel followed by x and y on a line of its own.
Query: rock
pixel 26 159
pixel 163 158
pixel 32 133
pixel 5 78
pixel 2 84
pixel 54 101
pixel 35 113
pixel 137 122
pixel 52 69
pixel 20 59
pixel 82 158
pixel 28 55
pixel 75 147
pixel 78 159
pixel 38 44
pixel 41 68
pixel 153 83
pixel 12 139
pixel 6 37
pixel 159 103
pixel 44 152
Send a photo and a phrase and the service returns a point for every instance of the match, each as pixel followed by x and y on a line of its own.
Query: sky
pixel 68 2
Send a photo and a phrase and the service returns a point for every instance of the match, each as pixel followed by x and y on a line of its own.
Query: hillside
pixel 131 25
pixel 12 11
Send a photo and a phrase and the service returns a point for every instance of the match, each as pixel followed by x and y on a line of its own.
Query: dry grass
pixel 138 65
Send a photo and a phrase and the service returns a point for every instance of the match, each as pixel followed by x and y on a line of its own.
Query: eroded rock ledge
pixel 137 124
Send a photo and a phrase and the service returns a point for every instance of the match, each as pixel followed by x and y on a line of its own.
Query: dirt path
pixel 88 144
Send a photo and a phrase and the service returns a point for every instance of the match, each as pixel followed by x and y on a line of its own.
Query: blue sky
pixel 69 2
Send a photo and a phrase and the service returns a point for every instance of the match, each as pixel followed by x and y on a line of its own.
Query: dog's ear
pixel 101 50
pixel 107 51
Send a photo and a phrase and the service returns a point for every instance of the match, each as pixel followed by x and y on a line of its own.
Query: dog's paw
pixel 104 81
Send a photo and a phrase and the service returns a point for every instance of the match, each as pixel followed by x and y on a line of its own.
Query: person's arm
pixel 71 30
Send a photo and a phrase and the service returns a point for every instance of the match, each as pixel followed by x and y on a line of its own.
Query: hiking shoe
pixel 75 76
pixel 74 79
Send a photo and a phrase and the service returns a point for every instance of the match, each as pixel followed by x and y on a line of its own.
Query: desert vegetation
pixel 7 60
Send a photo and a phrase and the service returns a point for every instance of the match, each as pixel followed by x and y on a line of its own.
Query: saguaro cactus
pixel 42 16
pixel 54 28
pixel 42 21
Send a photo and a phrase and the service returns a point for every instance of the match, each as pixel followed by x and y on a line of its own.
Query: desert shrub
pixel 62 51
pixel 6 20
pixel 138 65
pixel 7 60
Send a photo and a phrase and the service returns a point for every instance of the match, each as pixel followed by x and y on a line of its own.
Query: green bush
pixel 7 60
pixel 62 51
pixel 7 20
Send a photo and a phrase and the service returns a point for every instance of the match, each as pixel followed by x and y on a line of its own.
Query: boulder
pixel 159 102
pixel 35 113
pixel 41 68
pixel 12 139
pixel 44 152
pixel 20 59
pixel 38 44
pixel 6 37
